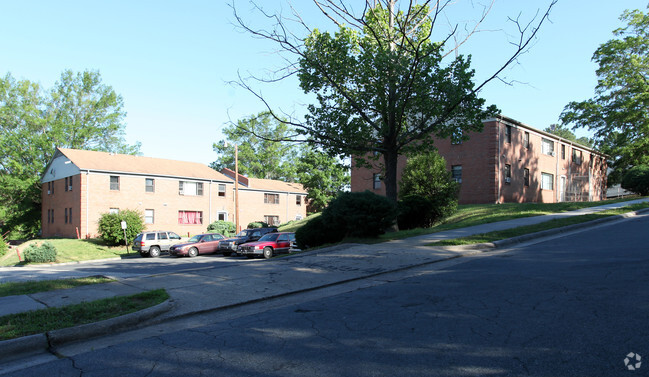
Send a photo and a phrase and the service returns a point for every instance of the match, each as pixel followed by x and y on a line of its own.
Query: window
pixel 68 183
pixel 271 220
pixel 526 140
pixel 222 216
pixel 113 211
pixel 149 185
pixel 526 177
pixel 508 174
pixel 376 181
pixel 547 181
pixel 50 216
pixel 66 210
pixel 149 216
pixel 190 217
pixel 576 156
pixel 114 183
pixel 547 147
pixel 456 173
pixel 563 152
pixel 162 236
pixel 50 188
pixel 271 198
pixel 190 188
pixel 298 200
pixel 508 134
pixel 221 190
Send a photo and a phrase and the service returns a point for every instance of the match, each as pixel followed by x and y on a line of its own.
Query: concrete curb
pixel 544 233
pixel 37 343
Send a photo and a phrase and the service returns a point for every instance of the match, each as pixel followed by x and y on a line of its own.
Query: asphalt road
pixel 571 306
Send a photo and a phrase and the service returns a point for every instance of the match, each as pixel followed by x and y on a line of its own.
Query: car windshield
pixel 196 238
pixel 243 233
pixel 269 237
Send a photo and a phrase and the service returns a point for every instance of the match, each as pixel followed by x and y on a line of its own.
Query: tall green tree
pixel 619 111
pixel 322 176
pixel 79 112
pixel 260 154
pixel 565 132
pixel 383 86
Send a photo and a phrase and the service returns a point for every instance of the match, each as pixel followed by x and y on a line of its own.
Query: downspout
pixel 210 203
pixel 87 202
pixel 287 194
pixel 557 194
pixel 498 171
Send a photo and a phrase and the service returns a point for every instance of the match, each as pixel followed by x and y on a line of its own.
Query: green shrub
pixel 257 224
pixel 415 211
pixel 637 180
pixel 318 232
pixel 350 214
pixel 110 227
pixel 3 247
pixel 425 176
pixel 40 254
pixel 225 228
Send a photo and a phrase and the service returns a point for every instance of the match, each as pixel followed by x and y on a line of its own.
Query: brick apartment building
pixel 78 186
pixel 511 162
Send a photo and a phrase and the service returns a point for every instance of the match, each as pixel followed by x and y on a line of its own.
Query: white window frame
pixel 149 218
pixel 547 179
pixel 547 147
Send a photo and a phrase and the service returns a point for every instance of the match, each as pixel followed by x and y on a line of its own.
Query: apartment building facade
pixel 79 186
pixel 511 162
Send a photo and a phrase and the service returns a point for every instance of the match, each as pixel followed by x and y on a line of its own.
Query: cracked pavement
pixel 568 306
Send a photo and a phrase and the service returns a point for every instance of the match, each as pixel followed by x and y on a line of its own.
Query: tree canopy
pixel 260 155
pixel 619 111
pixel 382 85
pixel 79 112
pixel 322 176
pixel 566 133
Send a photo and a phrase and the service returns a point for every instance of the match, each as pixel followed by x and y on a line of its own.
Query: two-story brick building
pixel 185 197
pixel 512 162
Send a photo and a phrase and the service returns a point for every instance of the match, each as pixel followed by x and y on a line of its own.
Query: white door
pixel 562 189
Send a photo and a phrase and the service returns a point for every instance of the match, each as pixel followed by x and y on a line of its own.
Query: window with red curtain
pixel 190 217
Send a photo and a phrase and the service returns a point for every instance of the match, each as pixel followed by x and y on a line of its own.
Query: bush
pixel 3 247
pixel 110 227
pixel 426 177
pixel 362 214
pixel 40 254
pixel 318 232
pixel 415 211
pixel 350 214
pixel 257 224
pixel 637 180
pixel 225 228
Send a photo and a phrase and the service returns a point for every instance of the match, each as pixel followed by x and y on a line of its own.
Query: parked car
pixel 199 244
pixel 154 242
pixel 268 245
pixel 231 245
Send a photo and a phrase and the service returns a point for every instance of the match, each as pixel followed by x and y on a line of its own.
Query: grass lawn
pixel 29 287
pixel 70 250
pixel 39 321
pixel 557 223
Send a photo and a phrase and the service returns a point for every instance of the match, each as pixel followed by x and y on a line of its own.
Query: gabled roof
pixel 265 184
pixel 123 163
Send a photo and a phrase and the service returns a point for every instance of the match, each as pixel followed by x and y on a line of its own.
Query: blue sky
pixel 172 61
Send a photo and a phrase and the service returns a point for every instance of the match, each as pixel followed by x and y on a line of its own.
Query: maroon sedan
pixel 199 244
pixel 268 245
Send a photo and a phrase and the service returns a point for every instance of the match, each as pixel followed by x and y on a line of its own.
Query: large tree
pixel 322 176
pixel 79 112
pixel 619 111
pixel 565 132
pixel 384 83
pixel 260 156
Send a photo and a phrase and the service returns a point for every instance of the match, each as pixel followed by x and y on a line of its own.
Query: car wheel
pixel 154 252
pixel 268 252
pixel 143 254
pixel 192 252
pixel 227 253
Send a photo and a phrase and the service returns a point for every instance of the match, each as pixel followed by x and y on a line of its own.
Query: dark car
pixel 268 245
pixel 199 244
pixel 231 245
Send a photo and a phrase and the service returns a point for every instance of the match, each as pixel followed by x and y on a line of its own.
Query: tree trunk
pixel 390 159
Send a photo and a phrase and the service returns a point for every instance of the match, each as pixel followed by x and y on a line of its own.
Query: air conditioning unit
pixel 508 180
pixel 552 154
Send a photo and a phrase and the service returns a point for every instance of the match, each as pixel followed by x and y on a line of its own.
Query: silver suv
pixel 152 243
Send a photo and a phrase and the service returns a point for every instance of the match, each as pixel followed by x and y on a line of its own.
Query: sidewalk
pixel 204 290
